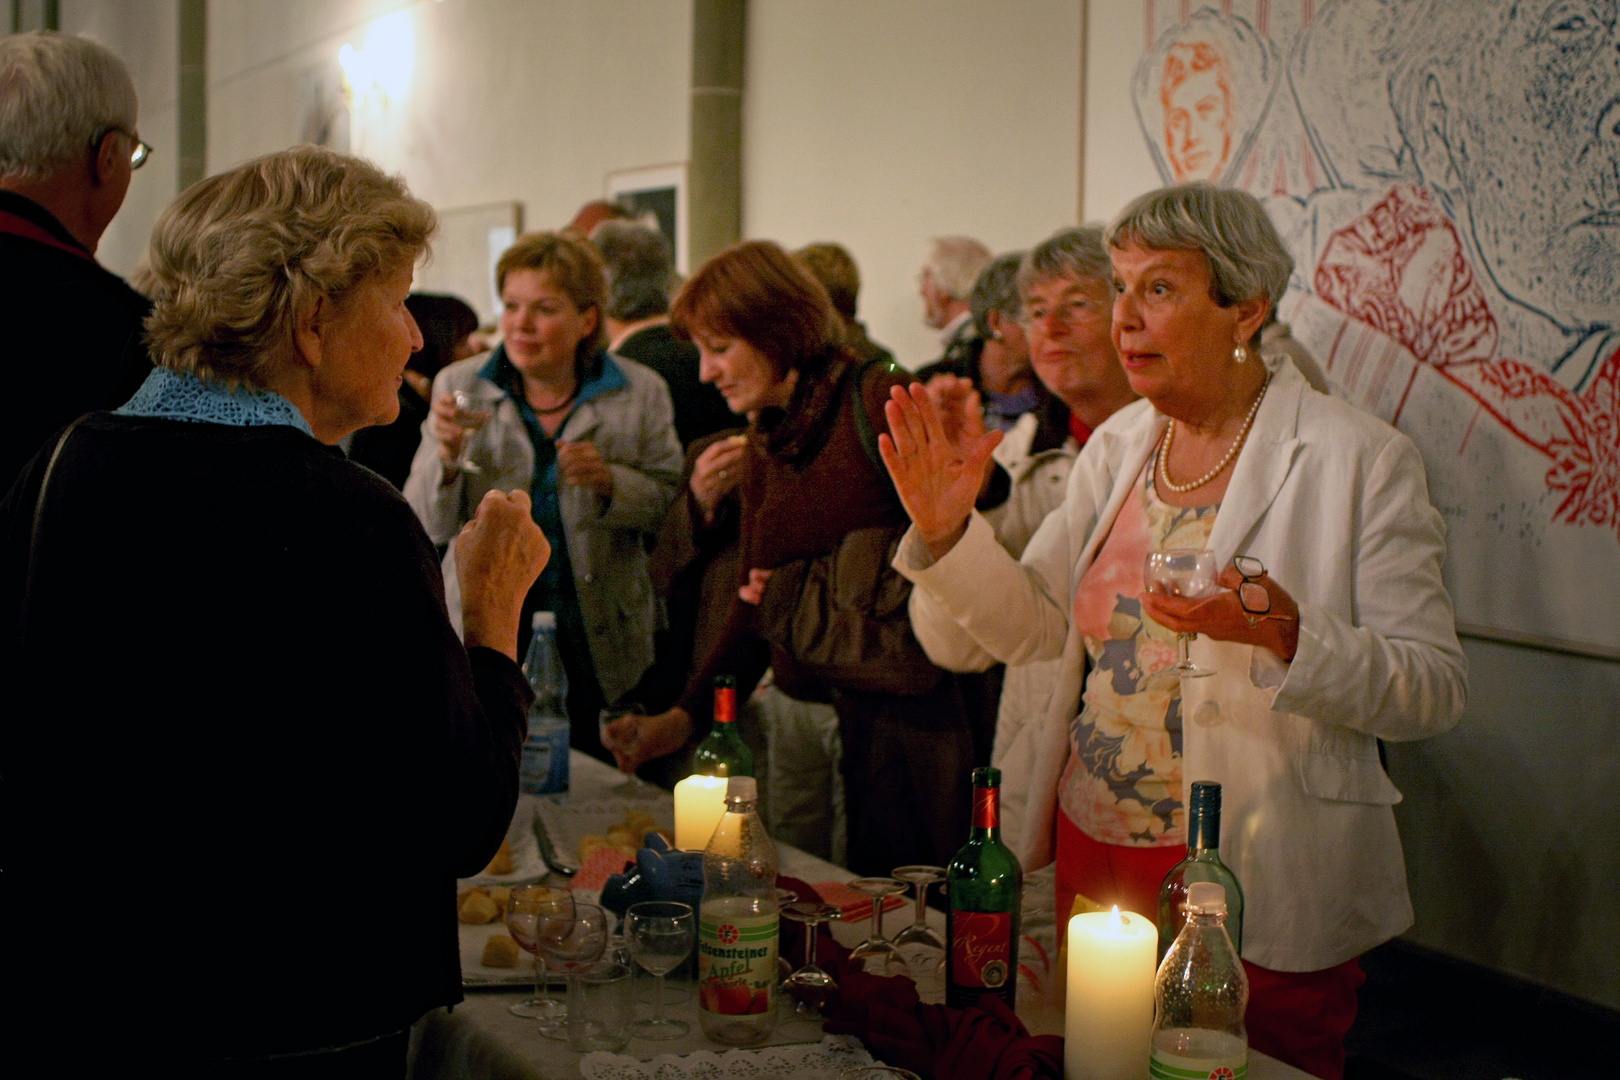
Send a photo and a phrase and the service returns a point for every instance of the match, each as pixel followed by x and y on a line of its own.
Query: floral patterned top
pixel 1123 782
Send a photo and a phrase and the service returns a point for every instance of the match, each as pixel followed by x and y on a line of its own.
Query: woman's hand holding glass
pixel 1249 609
pixel 937 459
pixel 580 464
pixel 456 419
pixel 635 740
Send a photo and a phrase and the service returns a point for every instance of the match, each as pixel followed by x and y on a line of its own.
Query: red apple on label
pixel 761 1001
pixel 730 1000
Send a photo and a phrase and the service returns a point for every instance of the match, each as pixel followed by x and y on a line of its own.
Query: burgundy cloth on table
pixel 984 1042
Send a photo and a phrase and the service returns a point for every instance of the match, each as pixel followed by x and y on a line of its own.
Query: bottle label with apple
pixel 736 962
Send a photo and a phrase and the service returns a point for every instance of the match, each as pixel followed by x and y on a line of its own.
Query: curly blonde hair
pixel 237 256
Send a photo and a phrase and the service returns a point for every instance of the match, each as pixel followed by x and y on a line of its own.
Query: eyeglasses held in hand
pixel 1253 595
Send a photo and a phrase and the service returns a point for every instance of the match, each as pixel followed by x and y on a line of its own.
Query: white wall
pixel 147 37
pixel 880 125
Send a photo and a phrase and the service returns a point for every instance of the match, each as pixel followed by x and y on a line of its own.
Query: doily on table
pixel 825 1060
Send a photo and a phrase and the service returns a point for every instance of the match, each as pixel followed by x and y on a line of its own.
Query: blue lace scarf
pixel 179 395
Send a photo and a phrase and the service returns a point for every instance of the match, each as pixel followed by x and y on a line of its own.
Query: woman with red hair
pixel 818 523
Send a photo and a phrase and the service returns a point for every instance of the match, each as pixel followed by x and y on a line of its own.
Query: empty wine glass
pixel 1188 572
pixel 660 934
pixel 570 947
pixel 810 987
pixel 535 913
pixel 784 967
pixel 878 952
pixel 475 406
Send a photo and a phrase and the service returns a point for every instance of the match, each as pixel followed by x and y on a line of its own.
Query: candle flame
pixel 1115 923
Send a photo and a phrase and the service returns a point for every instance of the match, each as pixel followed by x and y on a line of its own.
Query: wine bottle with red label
pixel 984 888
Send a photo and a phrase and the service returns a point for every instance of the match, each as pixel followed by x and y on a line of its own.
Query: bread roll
pixel 501 951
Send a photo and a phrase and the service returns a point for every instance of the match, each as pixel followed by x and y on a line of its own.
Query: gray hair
pixel 954 262
pixel 58 93
pixel 1074 254
pixel 237 256
pixel 996 290
pixel 640 266
pixel 1246 256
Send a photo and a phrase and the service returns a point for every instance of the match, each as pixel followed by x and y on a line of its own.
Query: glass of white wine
pixel 1187 572
pixel 475 407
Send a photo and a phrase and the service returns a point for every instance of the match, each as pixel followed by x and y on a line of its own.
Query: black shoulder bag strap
pixel 34 530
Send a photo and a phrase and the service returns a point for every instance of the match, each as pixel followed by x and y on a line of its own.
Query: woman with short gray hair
pixel 1329 629
pixel 277 684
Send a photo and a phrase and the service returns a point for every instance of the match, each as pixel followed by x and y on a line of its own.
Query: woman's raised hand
pixel 937 455
pixel 499 554
pixel 716 472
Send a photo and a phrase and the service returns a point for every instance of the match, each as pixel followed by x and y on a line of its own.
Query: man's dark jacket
pixel 71 337
pixel 699 408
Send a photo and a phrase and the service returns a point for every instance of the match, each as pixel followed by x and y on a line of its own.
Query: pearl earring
pixel 1240 354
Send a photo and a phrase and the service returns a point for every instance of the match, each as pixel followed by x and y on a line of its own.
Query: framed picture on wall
pixel 1448 274
pixel 471 240
pixel 660 191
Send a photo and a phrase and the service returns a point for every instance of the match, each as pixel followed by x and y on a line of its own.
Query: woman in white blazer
pixel 590 437
pixel 1352 640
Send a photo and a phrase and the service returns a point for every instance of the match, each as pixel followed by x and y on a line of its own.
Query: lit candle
pixel 1108 1017
pixel 700 802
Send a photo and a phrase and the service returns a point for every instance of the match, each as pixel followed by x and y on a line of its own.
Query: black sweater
pixel 246 755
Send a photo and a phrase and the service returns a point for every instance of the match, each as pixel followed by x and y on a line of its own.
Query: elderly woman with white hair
pixel 1332 628
pixel 236 689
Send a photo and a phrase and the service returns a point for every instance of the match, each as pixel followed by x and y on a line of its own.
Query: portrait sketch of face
pixel 1196 94
pixel 1512 113
pixel 1201 94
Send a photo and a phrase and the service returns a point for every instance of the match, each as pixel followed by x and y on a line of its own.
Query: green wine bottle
pixel 984 889
pixel 1203 863
pixel 722 751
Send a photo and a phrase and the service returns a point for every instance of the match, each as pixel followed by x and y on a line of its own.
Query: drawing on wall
pixel 1447 175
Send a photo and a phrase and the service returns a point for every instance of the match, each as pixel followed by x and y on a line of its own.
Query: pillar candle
pixel 1108 1017
pixel 700 802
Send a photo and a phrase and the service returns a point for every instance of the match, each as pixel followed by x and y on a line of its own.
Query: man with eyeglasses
pixel 70 330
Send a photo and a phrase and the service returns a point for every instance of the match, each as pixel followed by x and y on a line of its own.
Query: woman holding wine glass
pixel 589 436
pixel 1332 631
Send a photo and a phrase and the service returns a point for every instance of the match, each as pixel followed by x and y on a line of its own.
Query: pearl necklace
pixel 1237 443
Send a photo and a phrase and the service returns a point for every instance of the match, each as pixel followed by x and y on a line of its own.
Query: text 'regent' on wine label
pixel 736 963
pixel 1163 1066
pixel 981 949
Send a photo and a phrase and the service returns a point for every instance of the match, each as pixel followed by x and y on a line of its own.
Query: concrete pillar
pixel 193 100
pixel 714 171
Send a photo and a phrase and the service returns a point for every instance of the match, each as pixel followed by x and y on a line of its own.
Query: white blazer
pixel 1335 503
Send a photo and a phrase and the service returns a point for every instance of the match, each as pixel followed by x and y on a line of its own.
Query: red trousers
pixel 1297 1017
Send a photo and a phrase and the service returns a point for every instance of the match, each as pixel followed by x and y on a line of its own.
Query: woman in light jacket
pixel 591 437
pixel 1347 637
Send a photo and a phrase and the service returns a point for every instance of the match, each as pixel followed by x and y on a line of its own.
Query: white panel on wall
pixel 880 126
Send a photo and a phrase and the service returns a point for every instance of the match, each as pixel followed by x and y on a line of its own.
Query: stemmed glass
pixel 879 953
pixel 1189 572
pixel 535 914
pixel 634 786
pixel 579 944
pixel 810 987
pixel 474 408
pixel 660 935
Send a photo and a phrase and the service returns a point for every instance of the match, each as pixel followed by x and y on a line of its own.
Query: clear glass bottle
pixel 722 751
pixel 544 765
pixel 738 923
pixel 984 892
pixel 1203 863
pixel 1200 994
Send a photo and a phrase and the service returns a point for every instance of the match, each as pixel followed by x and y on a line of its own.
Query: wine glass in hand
pixel 475 406
pixel 660 935
pixel 1188 572
pixel 533 913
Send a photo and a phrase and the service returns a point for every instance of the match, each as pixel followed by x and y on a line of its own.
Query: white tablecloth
pixel 480 1040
